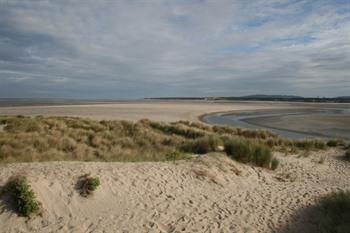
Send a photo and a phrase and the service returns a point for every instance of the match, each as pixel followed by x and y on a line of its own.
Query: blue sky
pixel 136 49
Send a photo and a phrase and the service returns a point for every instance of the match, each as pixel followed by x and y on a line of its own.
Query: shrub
pixel 88 184
pixel 201 145
pixel 250 152
pixel 24 198
pixel 335 143
pixel 335 213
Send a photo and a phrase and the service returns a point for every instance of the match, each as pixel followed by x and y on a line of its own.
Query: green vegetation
pixel 26 139
pixel 24 198
pixel 310 144
pixel 87 184
pixel 247 151
pixel 335 213
pixel 201 145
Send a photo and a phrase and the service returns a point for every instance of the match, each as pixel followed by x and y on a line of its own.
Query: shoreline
pixel 265 126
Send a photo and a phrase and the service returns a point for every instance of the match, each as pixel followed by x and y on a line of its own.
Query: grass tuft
pixel 88 184
pixel 250 152
pixel 22 194
pixel 201 145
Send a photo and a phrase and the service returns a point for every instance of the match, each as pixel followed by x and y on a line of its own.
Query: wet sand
pixel 322 125
pixel 319 121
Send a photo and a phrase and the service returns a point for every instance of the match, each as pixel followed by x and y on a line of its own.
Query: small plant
pixel 88 184
pixel 24 198
pixel 335 213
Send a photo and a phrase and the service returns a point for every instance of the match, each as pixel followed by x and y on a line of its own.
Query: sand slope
pixel 208 194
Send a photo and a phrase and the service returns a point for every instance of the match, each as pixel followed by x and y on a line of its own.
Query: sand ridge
pixel 206 194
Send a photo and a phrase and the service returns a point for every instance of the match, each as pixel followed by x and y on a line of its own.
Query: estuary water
pixel 291 123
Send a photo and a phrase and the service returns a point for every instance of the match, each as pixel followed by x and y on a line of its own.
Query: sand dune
pixel 207 194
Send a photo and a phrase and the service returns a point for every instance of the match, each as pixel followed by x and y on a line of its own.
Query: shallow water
pixel 309 123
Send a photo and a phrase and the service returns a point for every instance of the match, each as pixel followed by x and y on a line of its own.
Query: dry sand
pixel 207 194
pixel 136 110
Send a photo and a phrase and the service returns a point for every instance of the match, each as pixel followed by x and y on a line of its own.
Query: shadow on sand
pixel 7 203
pixel 305 220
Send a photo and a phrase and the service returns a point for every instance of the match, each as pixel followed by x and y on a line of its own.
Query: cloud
pixel 135 49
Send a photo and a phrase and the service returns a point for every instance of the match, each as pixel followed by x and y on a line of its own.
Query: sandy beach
pixel 135 110
pixel 207 194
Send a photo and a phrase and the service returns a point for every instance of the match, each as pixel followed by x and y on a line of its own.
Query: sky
pixel 116 49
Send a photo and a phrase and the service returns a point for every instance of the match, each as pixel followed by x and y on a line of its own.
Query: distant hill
pixel 343 97
pixel 262 97
pixel 259 96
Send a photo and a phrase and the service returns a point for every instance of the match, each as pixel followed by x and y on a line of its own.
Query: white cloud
pixel 131 48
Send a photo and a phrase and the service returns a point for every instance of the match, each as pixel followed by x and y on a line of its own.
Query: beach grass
pixel 28 139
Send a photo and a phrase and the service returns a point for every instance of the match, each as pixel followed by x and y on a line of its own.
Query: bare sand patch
pixel 206 194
